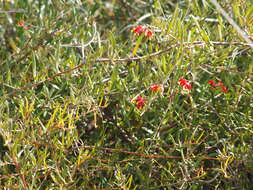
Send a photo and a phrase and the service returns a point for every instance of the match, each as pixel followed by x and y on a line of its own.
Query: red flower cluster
pixel 185 83
pixel 138 30
pixel 140 102
pixel 156 88
pixel 251 21
pixel 219 84
pixel 212 83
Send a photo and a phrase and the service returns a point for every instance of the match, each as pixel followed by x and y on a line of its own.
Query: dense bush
pixel 126 94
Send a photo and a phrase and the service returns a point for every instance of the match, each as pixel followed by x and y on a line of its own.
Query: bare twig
pixel 138 154
pixel 186 45
pixel 228 70
pixel 48 79
pixel 148 156
pixel 13 11
pixel 112 150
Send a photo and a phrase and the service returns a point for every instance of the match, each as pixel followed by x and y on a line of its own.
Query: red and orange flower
pixel 140 102
pixel 22 25
pixel 156 88
pixel 219 84
pixel 185 84
pixel 138 30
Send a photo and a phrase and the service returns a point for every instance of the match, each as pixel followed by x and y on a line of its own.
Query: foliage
pixel 72 72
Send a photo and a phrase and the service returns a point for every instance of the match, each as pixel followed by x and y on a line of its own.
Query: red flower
pixel 185 83
pixel 156 87
pixel 251 20
pixel 140 102
pixel 224 89
pixel 219 84
pixel 188 86
pixel 213 83
pixel 138 30
pixel 22 24
pixel 182 82
pixel 149 33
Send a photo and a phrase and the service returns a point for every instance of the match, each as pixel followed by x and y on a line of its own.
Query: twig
pixel 186 45
pixel 112 150
pixel 228 70
pixel 14 11
pixel 48 79
pixel 131 153
pixel 145 155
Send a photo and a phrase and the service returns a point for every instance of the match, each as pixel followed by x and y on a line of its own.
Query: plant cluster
pixel 126 94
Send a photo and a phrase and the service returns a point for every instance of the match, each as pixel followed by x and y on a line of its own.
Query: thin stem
pixel 186 45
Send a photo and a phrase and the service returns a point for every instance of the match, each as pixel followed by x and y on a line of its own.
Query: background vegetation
pixel 70 73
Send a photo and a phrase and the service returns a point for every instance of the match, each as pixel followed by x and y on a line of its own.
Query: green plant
pixel 73 70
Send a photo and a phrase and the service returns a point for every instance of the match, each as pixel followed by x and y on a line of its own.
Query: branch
pixel 112 150
pixel 13 11
pixel 186 45
pixel 228 70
